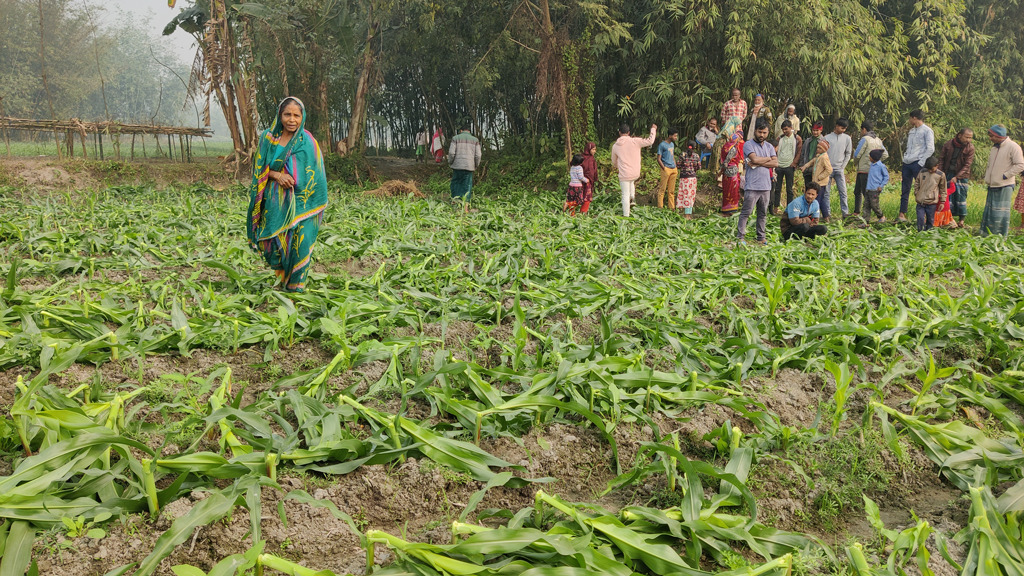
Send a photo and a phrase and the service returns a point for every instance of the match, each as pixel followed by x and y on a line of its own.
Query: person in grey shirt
pixel 839 153
pixel 760 158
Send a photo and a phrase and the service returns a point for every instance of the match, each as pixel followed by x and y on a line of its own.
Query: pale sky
pixel 158 14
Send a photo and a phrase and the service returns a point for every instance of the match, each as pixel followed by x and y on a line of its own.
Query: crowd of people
pixel 288 194
pixel 754 156
pixel 752 171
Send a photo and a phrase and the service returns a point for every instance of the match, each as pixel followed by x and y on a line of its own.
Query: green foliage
pixel 600 323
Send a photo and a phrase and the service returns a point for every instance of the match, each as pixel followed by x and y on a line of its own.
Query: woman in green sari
pixel 288 196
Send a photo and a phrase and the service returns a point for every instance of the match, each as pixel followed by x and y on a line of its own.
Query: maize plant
pixel 487 328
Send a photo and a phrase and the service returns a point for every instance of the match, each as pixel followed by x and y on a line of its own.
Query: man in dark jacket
pixel 955 161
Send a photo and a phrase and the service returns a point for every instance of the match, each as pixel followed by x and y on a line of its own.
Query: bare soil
pixel 49 175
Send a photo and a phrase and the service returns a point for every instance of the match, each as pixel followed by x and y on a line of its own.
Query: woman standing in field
pixel 288 196
pixel 732 161
pixel 689 164
pixel 437 146
pixel 590 171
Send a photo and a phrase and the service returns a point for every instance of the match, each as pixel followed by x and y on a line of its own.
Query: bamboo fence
pixel 73 127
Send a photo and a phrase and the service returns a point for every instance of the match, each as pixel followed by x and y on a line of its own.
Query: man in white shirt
pixel 839 153
pixel 789 158
pixel 920 147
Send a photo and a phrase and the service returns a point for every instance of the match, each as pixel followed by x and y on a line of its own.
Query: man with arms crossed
pixel 760 158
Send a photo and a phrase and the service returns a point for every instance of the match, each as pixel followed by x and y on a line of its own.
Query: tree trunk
pixel 577 59
pixel 281 66
pixel 326 112
pixel 46 83
pixel 242 74
pixel 357 124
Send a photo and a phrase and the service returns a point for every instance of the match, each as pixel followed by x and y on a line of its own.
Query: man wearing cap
pixel 1005 161
pixel 810 150
pixel 920 147
pixel 794 121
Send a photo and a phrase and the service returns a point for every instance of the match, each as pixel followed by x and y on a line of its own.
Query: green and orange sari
pixel 283 224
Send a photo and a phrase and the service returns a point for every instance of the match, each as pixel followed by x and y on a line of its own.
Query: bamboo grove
pixel 544 74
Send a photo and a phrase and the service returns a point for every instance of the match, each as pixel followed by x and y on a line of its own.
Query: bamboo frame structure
pixel 73 127
pixel 79 126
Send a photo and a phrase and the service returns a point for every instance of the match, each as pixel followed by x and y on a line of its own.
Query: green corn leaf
pixel 212 508
pixel 660 558
pixel 12 282
pixel 17 549
pixel 459 455
pixel 58 461
pixel 1012 500
pixel 499 479
pixel 875 519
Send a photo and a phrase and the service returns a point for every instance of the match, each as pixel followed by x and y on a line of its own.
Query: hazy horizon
pixel 154 14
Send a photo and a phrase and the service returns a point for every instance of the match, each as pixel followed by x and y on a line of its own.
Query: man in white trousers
pixel 626 159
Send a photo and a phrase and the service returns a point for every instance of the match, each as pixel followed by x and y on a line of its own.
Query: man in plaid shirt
pixel 735 107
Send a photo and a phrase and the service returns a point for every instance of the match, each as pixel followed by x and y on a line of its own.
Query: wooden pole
pixel 170 148
pixel 100 135
pixel 7 135
pixel 133 146
pixel 181 146
pixel 144 145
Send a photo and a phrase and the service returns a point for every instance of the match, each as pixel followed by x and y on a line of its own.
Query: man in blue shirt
pixel 801 217
pixel 760 159
pixel 669 172
pixel 920 147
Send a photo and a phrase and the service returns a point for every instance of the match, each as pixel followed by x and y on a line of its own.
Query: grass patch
pixel 842 469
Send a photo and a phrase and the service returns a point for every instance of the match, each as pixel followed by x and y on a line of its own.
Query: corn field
pixel 438 338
